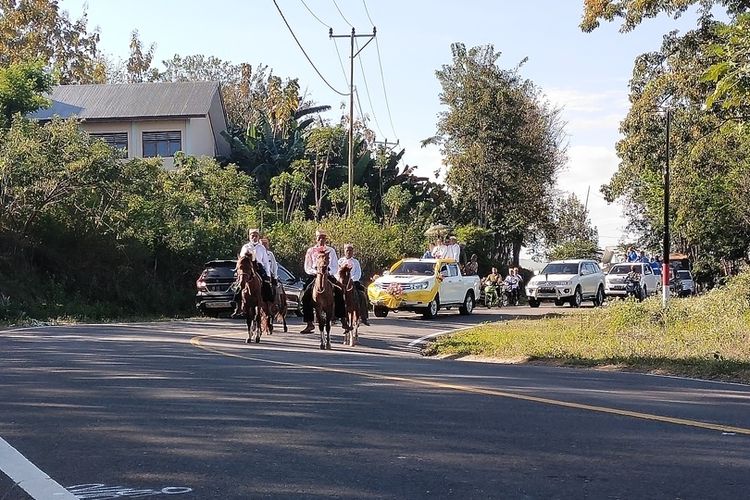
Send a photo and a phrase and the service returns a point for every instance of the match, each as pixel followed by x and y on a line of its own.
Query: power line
pixel 368 12
pixel 313 14
pixel 382 76
pixel 303 51
pixel 341 61
pixel 367 90
pixel 342 14
pixel 385 94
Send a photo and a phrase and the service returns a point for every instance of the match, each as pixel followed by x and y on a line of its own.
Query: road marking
pixel 414 343
pixel 196 341
pixel 28 476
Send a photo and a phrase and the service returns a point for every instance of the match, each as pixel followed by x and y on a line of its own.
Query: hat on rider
pixel 348 245
pixel 253 231
pixel 320 232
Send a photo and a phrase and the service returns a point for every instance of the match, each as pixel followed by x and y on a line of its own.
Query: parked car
pixel 571 281
pixel 216 293
pixel 687 282
pixel 424 286
pixel 614 281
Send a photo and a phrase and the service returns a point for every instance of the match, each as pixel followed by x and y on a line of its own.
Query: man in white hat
pixel 333 267
pixel 255 246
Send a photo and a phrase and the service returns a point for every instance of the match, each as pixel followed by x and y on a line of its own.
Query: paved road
pixel 185 409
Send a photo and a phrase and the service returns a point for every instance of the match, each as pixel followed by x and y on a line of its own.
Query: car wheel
pixel 380 312
pixel 432 308
pixel 533 302
pixel 599 298
pixel 577 298
pixel 468 306
pixel 210 314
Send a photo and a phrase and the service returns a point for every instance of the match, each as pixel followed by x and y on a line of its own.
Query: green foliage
pixel 731 72
pixel 21 89
pixel 570 234
pixel 709 148
pixel 85 234
pixel 574 249
pixel 38 30
pixel 503 145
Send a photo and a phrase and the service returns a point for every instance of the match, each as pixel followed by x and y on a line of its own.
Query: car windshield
pixel 560 268
pixel 684 275
pixel 623 269
pixel 415 268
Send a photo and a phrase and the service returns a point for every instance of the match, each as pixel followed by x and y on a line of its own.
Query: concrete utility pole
pixel 352 55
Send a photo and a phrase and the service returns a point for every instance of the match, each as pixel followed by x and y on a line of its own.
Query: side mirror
pixel 536 272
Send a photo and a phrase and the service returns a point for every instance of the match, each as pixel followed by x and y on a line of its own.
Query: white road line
pixel 420 340
pixel 28 477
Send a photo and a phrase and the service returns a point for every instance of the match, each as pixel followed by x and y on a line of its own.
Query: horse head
pixel 345 273
pixel 323 261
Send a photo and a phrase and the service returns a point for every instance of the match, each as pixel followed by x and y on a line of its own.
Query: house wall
pixel 196 134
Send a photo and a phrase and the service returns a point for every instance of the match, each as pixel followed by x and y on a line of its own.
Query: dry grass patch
pixel 705 337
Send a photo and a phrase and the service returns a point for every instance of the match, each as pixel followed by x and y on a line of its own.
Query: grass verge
pixel 703 337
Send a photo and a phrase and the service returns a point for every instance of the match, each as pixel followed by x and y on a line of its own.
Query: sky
pixel 585 74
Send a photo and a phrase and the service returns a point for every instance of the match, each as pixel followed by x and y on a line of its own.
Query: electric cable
pixel 305 53
pixel 342 14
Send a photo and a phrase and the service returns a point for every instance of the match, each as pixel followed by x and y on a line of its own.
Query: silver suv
pixel 571 281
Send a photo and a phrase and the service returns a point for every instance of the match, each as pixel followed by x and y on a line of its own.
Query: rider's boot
pixel 309 328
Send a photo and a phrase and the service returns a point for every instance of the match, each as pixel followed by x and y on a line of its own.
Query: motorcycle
pixel 633 289
pixel 494 295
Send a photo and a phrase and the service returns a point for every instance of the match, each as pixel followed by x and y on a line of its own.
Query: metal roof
pixel 130 100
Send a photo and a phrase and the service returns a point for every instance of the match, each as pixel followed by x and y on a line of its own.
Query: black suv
pixel 216 293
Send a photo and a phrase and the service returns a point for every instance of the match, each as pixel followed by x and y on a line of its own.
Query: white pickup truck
pixel 424 286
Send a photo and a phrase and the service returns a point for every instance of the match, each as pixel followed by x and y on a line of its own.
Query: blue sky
pixel 584 73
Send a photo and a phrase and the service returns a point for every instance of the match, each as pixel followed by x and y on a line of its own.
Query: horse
pixel 322 297
pixel 352 303
pixel 253 306
pixel 278 308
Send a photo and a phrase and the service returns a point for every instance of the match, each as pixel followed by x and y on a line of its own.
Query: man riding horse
pixel 356 275
pixel 311 271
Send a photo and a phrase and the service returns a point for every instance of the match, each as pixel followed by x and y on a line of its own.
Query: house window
pixel 115 140
pixel 162 144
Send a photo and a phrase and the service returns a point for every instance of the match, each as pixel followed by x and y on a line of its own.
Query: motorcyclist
pixel 634 277
pixel 513 281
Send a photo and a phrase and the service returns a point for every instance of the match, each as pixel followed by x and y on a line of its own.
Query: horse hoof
pixel 248 341
pixel 257 339
pixel 284 329
pixel 322 346
pixel 328 345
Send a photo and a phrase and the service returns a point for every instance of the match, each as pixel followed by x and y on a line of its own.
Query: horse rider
pixel 311 271
pixel 262 262
pixel 356 275
pixel 272 264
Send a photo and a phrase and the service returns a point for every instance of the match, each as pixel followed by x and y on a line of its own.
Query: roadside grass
pixel 703 337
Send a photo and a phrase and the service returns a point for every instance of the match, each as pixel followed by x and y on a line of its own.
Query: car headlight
pixel 422 285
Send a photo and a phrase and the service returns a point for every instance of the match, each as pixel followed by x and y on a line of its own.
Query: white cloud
pixel 577 101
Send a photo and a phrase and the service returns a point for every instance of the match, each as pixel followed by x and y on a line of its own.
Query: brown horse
pixel 352 303
pixel 253 306
pixel 322 297
pixel 278 308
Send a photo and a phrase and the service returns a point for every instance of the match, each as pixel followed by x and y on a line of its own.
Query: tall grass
pixel 706 336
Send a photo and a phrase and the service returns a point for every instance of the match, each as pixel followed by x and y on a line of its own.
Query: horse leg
pixel 328 330
pixel 258 323
pixel 321 329
pixel 249 320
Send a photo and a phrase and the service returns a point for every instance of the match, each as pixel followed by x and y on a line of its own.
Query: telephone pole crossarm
pixel 352 55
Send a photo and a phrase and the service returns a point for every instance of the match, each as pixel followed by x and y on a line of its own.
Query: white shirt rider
pixel 311 256
pixel 353 263
pixel 257 248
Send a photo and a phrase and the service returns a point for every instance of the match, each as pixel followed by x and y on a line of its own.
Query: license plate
pixel 547 290
pixel 618 287
pixel 218 305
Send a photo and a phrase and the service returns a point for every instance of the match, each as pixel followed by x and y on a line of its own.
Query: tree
pixel 497 135
pixel 21 89
pixel 708 153
pixel 634 12
pixel 139 63
pixel 572 235
pixel 37 30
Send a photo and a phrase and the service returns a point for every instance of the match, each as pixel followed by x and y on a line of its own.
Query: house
pixel 147 119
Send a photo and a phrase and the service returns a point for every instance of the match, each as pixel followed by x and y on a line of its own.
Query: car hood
pixel 544 278
pixel 397 278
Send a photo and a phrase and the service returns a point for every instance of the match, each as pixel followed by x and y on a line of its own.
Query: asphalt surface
pixel 187 410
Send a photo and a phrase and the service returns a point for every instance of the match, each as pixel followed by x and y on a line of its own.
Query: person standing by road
pixel 472 267
pixel 356 276
pixel 514 282
pixel 454 249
